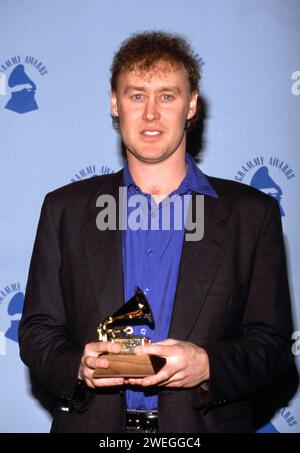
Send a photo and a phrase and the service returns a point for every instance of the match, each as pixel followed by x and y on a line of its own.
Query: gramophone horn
pixel 137 310
pixel 19 77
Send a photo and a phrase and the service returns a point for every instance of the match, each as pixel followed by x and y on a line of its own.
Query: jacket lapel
pixel 200 261
pixel 103 253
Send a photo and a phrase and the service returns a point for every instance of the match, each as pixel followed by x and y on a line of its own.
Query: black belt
pixel 141 421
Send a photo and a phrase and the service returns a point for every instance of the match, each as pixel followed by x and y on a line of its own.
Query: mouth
pixel 152 135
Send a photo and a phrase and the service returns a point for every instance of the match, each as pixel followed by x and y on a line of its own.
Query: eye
pixel 167 97
pixel 137 97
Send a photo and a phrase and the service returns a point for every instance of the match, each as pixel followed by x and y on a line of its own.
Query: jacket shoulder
pixel 83 190
pixel 233 192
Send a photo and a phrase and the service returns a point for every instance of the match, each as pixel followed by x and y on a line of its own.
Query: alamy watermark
pixel 296 344
pixel 295 87
pixel 176 213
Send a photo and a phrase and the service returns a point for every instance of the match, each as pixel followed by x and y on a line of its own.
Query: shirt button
pixel 149 252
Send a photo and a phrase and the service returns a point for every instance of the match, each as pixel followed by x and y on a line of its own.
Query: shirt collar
pixel 194 180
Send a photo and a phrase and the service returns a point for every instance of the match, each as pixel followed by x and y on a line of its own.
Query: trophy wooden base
pixel 130 365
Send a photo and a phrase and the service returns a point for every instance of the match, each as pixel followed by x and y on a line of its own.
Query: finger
pixel 89 383
pixel 155 349
pixel 89 362
pixel 108 382
pixel 87 376
pixel 87 372
pixel 167 342
pixel 135 381
pixel 99 362
pixel 173 381
pixel 163 375
pixel 176 384
pixel 103 346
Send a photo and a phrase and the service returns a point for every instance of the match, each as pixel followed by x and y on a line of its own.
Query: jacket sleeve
pixel 239 368
pixel 46 344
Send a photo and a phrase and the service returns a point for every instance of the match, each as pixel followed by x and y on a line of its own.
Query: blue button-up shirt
pixel 151 259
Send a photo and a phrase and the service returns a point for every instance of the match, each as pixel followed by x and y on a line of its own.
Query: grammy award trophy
pixel 127 364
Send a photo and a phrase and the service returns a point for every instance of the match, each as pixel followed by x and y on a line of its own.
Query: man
pixel 221 304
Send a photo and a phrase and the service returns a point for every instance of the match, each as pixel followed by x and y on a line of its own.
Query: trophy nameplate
pixel 127 364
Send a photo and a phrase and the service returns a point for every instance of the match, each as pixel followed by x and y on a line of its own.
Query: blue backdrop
pixel 59 130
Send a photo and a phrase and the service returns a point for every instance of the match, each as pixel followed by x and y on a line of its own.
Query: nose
pixel 151 111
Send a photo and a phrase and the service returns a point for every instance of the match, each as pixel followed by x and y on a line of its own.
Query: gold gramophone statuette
pixel 127 364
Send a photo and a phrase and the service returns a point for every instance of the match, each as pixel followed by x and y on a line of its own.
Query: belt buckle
pixel 142 420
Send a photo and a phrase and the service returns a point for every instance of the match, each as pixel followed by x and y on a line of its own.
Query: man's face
pixel 153 108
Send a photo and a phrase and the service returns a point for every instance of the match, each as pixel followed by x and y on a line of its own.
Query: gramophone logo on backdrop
pixel 269 175
pixel 90 171
pixel 18 82
pixel 11 306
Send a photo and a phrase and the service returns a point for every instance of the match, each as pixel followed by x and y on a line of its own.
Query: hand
pixel 92 359
pixel 186 364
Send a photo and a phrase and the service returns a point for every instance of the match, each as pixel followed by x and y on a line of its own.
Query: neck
pixel 158 179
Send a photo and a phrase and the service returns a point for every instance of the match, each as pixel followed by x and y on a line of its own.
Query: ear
pixel 114 104
pixel 192 105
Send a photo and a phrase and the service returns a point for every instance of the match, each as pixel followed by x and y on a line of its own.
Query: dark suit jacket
pixel 232 298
